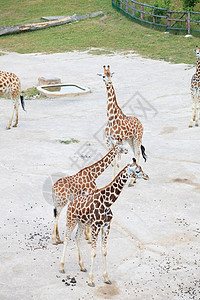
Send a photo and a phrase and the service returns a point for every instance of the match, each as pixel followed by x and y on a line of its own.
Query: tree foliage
pixel 189 4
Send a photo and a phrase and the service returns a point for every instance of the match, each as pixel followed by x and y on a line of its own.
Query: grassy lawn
pixel 112 32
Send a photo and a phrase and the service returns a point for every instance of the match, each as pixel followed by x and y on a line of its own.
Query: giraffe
pixel 94 210
pixel 128 128
pixel 10 84
pixel 83 182
pixel 195 88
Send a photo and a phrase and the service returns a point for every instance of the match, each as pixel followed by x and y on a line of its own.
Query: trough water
pixel 62 90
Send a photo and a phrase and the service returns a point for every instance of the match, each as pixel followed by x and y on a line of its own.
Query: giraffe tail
pixel 54 203
pixel 143 153
pixel 55 212
pixel 22 102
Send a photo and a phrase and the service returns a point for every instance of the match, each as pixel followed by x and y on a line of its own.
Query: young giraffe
pixel 119 125
pixel 83 182
pixel 195 88
pixel 10 83
pixel 94 210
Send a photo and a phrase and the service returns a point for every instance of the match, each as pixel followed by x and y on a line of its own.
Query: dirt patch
pixel 167 130
pixel 188 181
pixel 108 291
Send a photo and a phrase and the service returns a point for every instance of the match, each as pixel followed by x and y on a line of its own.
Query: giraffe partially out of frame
pixel 10 84
pixel 195 89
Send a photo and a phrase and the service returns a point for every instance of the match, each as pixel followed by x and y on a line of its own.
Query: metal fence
pixel 161 18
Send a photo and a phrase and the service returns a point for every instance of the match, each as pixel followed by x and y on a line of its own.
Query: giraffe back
pixel 9 83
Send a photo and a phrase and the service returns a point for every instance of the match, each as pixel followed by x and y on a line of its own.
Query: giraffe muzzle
pixel 146 177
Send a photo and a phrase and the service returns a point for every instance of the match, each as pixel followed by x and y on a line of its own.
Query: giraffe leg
pixel 70 227
pixel 16 112
pixel 87 234
pixel 197 113
pixel 114 167
pixel 78 238
pixel 132 145
pixel 119 157
pixel 95 232
pixel 105 232
pixel 193 110
pixel 10 122
pixel 55 235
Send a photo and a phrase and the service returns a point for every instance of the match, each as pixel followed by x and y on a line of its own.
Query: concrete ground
pixel 153 247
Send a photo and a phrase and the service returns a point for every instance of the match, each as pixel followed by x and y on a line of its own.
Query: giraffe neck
pixel 99 167
pixel 198 67
pixel 113 108
pixel 112 191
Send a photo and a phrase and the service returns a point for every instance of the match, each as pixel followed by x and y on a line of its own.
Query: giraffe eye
pixel 138 171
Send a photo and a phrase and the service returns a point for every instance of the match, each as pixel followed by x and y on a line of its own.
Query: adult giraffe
pixel 195 88
pixel 127 128
pixel 10 84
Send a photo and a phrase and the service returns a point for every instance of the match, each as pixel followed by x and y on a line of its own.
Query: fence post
pixel 142 12
pixel 133 9
pixel 168 18
pixel 154 19
pixel 188 22
pixel 126 5
pixel 120 4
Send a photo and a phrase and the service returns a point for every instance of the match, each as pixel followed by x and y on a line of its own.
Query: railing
pixel 188 21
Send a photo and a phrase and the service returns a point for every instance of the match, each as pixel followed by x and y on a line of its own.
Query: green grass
pixel 67 142
pixel 113 33
pixel 32 93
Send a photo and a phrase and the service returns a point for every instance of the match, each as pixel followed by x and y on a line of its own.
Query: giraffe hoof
pixel 7 128
pixel 59 242
pixel 84 270
pixel 190 126
pixel 131 185
pixel 91 284
pixel 54 243
pixel 108 282
pixel 196 125
pixel 14 125
pixel 62 271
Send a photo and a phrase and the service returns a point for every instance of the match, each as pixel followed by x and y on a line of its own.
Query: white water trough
pixel 57 90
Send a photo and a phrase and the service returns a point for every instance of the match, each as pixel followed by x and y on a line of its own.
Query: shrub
pixel 189 4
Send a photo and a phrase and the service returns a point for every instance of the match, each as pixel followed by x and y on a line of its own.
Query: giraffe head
pixel 135 171
pixel 197 51
pixel 107 75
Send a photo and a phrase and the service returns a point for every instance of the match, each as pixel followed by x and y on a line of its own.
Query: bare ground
pixel 153 248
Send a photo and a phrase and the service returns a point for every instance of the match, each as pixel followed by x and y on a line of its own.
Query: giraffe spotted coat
pixel 195 89
pixel 95 210
pixel 10 84
pixel 128 128
pixel 83 182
